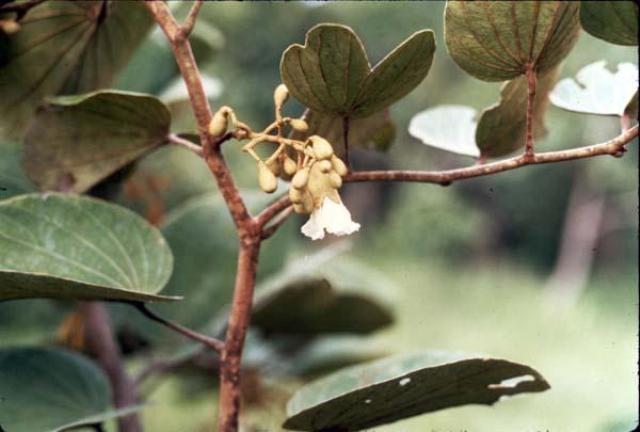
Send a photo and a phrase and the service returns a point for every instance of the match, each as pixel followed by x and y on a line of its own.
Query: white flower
pixel 333 217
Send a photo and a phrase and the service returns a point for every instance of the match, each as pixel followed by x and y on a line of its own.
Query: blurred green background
pixel 486 265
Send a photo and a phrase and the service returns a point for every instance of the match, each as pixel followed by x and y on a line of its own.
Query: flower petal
pixel 337 219
pixel 313 228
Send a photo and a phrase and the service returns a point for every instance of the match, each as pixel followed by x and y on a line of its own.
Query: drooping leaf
pixel 327 72
pixel 51 390
pixel 447 127
pixel 397 74
pixel 63 48
pixel 501 128
pixel 596 90
pixel 495 40
pixel 375 132
pixel 613 21
pixel 398 387
pixel 318 294
pixel 331 74
pixel 13 180
pixel 72 247
pixel 74 142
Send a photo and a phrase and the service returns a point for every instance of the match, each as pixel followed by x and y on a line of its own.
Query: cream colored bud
pixel 321 147
pixel 280 95
pixel 299 208
pixel 9 26
pixel 335 180
pixel 339 166
pixel 219 122
pixel 275 166
pixel 267 181
pixel 300 179
pixel 324 166
pixel 295 195
pixel 289 166
pixel 299 125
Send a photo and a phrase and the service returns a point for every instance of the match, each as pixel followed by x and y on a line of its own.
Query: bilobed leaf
pixel 613 21
pixel 495 40
pixel 596 90
pixel 71 247
pixel 391 389
pixel 397 74
pixel 74 142
pixel 447 127
pixel 375 132
pixel 63 48
pixel 318 294
pixel 326 73
pixel 51 390
pixel 501 128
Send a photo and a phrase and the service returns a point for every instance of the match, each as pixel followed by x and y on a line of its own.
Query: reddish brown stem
pixel 530 74
pixel 101 344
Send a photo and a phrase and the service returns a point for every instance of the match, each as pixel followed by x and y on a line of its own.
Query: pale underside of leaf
pixel 447 127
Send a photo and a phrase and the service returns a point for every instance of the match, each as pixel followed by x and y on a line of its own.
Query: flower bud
pixel 275 166
pixel 295 195
pixel 9 27
pixel 339 166
pixel 280 95
pixel 289 166
pixel 219 122
pixel 325 166
pixel 299 208
pixel 267 181
pixel 299 125
pixel 301 178
pixel 335 180
pixel 321 147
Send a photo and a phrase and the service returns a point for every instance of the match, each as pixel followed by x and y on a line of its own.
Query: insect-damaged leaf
pixel 51 390
pixel 65 47
pixel 331 73
pixel 71 247
pixel 398 387
pixel 613 21
pixel 74 142
pixel 495 40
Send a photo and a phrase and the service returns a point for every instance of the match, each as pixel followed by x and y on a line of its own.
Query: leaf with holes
pixel 51 390
pixel 330 74
pixel 496 40
pixel 447 127
pixel 74 142
pixel 63 48
pixel 596 90
pixel 320 294
pixel 71 247
pixel 613 21
pixel 398 387
pixel 502 127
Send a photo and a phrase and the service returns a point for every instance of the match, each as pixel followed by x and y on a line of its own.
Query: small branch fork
pixel 253 230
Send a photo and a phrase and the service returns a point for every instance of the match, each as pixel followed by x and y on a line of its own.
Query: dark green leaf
pixel 76 141
pixel 65 47
pixel 315 295
pixel 47 390
pixel 391 389
pixel 495 40
pixel 397 74
pixel 501 128
pixel 327 72
pixel 71 247
pixel 613 21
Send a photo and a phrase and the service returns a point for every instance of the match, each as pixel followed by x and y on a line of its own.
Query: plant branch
pixel 278 221
pixel 100 342
pixel 190 21
pixel 175 139
pixel 207 341
pixel 530 74
pixel 614 147
pixel 272 210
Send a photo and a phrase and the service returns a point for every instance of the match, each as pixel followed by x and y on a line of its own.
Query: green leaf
pixel 398 387
pixel 596 90
pixel 62 48
pixel 397 74
pixel 13 180
pixel 319 294
pixel 51 390
pixel 331 75
pixel 72 247
pixel 495 40
pixel 502 127
pixel 613 21
pixel 327 72
pixel 375 132
pixel 447 127
pixel 75 142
